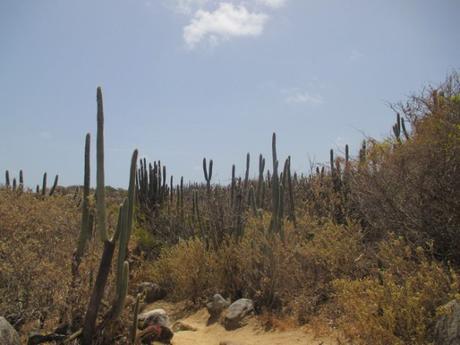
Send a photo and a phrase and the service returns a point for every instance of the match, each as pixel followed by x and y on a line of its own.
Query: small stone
pixel 153 317
pixel 237 311
pixel 152 292
pixel 8 335
pixel 447 328
pixel 217 306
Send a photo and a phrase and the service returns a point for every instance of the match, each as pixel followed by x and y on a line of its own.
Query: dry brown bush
pixel 37 239
pixel 412 188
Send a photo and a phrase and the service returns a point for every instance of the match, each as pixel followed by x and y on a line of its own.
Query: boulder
pixel 8 335
pixel 216 306
pixel 152 292
pixel 153 317
pixel 237 311
pixel 447 328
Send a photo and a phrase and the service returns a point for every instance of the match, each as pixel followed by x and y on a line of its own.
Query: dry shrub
pixel 287 277
pixel 37 239
pixel 397 303
pixel 412 187
pixel 185 270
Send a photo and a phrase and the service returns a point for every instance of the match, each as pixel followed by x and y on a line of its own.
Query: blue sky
pixel 187 79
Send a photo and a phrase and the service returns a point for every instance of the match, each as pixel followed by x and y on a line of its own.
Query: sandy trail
pixel 250 334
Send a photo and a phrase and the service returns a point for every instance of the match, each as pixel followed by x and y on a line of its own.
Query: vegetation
pixel 368 244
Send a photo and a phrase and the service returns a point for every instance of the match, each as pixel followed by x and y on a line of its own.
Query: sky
pixel 187 79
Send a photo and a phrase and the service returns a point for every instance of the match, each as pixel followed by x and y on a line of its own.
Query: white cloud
pixel 225 22
pixel 296 96
pixel 272 3
pixel 188 6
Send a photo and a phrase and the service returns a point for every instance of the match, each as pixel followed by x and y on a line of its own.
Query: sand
pixel 252 333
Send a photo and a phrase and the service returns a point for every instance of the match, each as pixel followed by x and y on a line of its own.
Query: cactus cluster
pixel 121 234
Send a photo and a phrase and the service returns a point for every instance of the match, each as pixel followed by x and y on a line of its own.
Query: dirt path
pixel 250 334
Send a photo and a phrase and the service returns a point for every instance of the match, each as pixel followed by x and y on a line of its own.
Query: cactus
pixel 135 320
pixel 207 175
pixel 21 180
pixel 232 187
pixel 53 188
pixel 7 179
pixel 397 128
pixel 331 161
pixel 291 193
pixel 404 130
pixel 246 175
pixel 252 200
pixel 14 184
pixel 100 174
pixel 123 232
pixel 275 224
pixel 44 185
pixel 85 230
pixel 260 182
pixel 362 153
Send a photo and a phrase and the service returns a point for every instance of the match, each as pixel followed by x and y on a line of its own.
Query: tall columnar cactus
pixel 207 175
pixel 260 182
pixel 100 174
pixel 276 221
pixel 123 232
pixel 14 184
pixel 246 174
pixel 55 183
pixel 252 200
pixel 404 129
pixel 44 185
pixel 7 179
pixel 362 153
pixel 331 162
pixel 291 193
pixel 397 128
pixel 21 180
pixel 232 187
pixel 85 231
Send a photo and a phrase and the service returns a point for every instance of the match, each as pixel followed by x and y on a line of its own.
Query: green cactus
pixel 55 183
pixel 14 184
pixel 85 230
pixel 7 179
pixel 291 193
pixel 232 187
pixel 207 175
pixel 260 183
pixel 275 224
pixel 397 128
pixel 123 232
pixel 362 153
pixel 246 174
pixel 21 180
pixel 44 185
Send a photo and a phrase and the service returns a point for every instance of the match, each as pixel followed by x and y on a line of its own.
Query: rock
pixel 447 329
pixel 180 326
pixel 237 312
pixel 8 335
pixel 153 317
pixel 228 342
pixel 217 306
pixel 152 292
pixel 155 333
